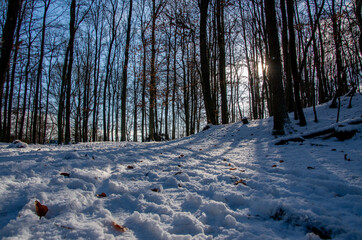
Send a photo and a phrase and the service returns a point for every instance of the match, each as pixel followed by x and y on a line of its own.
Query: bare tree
pixel 124 74
pixel 205 73
pixel 275 69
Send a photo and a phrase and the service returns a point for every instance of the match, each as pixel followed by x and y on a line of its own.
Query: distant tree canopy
pixel 135 70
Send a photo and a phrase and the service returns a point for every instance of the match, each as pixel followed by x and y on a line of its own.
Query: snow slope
pixel 228 182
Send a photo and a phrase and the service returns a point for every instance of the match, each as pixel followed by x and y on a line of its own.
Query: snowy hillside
pixel 228 182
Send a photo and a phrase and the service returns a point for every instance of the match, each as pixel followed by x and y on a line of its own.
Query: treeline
pixel 139 70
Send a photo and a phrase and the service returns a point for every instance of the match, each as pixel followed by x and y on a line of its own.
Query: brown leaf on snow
pixel 130 167
pixel 240 181
pixel 118 227
pixel 102 195
pixel 233 168
pixel 65 174
pixel 177 173
pixel 40 209
pixel 155 190
pixel 281 161
pixel 274 165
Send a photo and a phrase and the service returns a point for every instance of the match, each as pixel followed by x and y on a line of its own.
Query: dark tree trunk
pixel 12 78
pixel 293 63
pixel 288 75
pixel 69 72
pixel 359 19
pixel 275 70
pixel 14 7
pixel 341 87
pixel 205 72
pixel 222 73
pixel 39 74
pixel 124 75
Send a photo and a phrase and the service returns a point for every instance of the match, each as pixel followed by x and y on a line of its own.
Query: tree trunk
pixel 12 78
pixel 341 87
pixel 359 19
pixel 222 73
pixel 69 72
pixel 275 70
pixel 293 63
pixel 205 73
pixel 7 39
pixel 288 75
pixel 152 104
pixel 124 75
pixel 39 74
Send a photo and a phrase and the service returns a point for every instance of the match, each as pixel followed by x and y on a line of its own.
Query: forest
pixel 148 70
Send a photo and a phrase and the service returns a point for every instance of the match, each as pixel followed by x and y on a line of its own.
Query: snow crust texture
pixel 227 182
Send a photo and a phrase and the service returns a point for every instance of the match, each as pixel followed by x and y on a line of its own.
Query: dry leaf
pixel 102 195
pixel 232 168
pixel 281 161
pixel 65 174
pixel 274 165
pixel 177 173
pixel 40 209
pixel 240 181
pixel 119 227
pixel 155 190
pixel 130 167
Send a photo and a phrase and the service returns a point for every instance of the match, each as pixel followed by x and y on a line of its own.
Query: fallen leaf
pixel 309 167
pixel 274 165
pixel 65 174
pixel 182 155
pixel 240 181
pixel 179 185
pixel 242 170
pixel 119 227
pixel 130 167
pixel 232 168
pixel 40 209
pixel 155 190
pixel 179 165
pixel 281 161
pixel 229 164
pixel 200 149
pixel 224 160
pixel 177 173
pixel 102 195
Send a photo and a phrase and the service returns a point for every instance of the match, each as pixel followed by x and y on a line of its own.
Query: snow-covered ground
pixel 228 182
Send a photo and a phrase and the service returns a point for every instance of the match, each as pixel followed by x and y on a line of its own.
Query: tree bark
pixel 275 70
pixel 222 72
pixel 39 74
pixel 205 72
pixel 359 19
pixel 7 40
pixel 124 75
pixel 293 63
